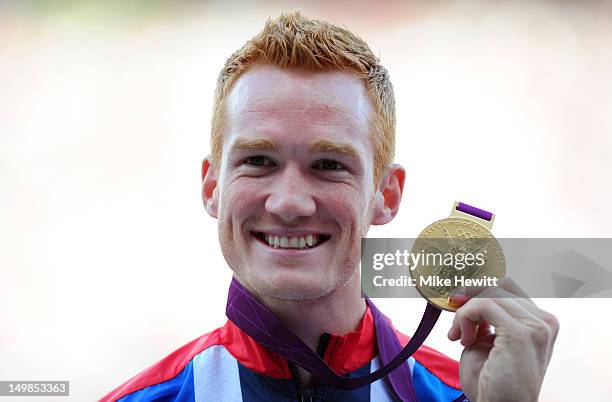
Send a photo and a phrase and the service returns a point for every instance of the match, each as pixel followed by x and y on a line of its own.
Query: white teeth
pixel 300 242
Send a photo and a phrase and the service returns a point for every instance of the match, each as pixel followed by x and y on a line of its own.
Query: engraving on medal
pixel 455 252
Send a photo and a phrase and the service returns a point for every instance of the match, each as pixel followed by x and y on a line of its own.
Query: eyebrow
pixel 325 145
pixel 318 145
pixel 261 144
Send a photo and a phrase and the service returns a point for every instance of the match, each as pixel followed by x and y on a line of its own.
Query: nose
pixel 290 196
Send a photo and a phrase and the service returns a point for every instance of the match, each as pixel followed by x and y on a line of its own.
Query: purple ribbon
pixel 477 212
pixel 257 321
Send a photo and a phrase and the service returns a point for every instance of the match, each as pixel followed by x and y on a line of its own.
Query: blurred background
pixel 107 258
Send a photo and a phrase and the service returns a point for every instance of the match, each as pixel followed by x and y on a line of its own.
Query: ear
pixel 388 195
pixel 209 187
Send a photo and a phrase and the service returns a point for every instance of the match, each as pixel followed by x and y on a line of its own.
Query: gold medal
pixel 455 252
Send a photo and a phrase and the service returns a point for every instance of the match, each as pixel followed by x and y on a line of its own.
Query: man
pixel 301 165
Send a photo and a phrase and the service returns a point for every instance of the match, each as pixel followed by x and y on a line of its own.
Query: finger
pixel 454 333
pixel 462 294
pixel 549 319
pixel 485 340
pixel 469 332
pixel 539 325
pixel 517 307
pixel 458 300
pixel 474 312
pixel 484 330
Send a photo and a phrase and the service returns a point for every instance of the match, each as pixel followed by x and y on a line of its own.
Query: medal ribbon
pixel 257 321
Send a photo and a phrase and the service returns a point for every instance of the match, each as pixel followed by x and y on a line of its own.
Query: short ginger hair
pixel 294 41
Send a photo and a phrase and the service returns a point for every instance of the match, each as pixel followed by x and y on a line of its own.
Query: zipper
pixel 308 394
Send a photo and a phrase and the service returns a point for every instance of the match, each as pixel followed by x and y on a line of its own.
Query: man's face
pixel 295 185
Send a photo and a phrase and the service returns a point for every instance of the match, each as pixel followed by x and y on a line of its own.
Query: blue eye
pixel 259 160
pixel 328 164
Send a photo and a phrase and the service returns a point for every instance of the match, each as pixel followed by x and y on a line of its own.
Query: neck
pixel 339 312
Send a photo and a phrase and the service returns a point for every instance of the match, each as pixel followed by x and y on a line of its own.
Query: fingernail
pixel 457 300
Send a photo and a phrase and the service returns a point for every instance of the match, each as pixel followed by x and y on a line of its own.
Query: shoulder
pixel 169 376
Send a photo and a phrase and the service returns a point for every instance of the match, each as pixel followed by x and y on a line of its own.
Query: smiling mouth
pixel 304 242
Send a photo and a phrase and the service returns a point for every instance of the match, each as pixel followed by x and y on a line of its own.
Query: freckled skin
pixel 291 109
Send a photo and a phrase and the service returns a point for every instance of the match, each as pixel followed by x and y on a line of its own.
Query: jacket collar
pixel 344 352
